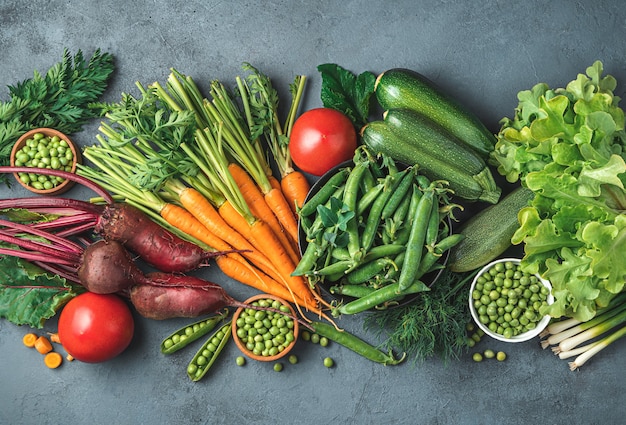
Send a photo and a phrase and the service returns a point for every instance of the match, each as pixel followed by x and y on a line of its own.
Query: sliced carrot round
pixel 53 359
pixel 29 340
pixel 43 345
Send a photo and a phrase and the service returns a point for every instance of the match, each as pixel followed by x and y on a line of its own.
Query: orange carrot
pixel 273 181
pixel 43 345
pixel 234 269
pixel 258 205
pixel 186 222
pixel 295 187
pixel 265 238
pixel 29 340
pixel 53 360
pixel 279 205
pixel 199 206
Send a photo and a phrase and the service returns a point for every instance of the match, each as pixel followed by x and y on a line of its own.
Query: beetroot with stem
pixel 152 242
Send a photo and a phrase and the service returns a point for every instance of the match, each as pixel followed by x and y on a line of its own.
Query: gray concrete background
pixel 482 51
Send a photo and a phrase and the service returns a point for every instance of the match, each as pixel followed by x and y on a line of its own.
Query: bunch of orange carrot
pixel 198 166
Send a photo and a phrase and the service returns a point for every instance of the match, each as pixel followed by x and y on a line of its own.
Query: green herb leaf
pixel 63 98
pixel 28 295
pixel 346 92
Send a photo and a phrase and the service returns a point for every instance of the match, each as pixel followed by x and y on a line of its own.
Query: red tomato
pixel 95 327
pixel 321 138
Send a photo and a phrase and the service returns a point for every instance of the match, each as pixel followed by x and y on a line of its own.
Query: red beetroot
pixel 106 267
pixel 164 296
pixel 152 242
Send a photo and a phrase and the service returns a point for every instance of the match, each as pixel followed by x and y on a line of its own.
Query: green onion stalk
pixel 581 340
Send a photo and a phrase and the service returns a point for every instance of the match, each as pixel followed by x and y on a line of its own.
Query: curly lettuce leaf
pixel 567 146
pixel 30 296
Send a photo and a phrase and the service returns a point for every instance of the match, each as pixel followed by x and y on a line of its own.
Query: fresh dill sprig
pixel 434 325
pixel 63 98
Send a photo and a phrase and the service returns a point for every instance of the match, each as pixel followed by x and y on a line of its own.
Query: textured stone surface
pixel 483 52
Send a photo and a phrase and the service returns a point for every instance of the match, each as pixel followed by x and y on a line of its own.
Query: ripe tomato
pixel 321 138
pixel 95 327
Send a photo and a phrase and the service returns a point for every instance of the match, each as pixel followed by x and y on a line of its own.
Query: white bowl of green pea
pixel 505 301
pixel 45 148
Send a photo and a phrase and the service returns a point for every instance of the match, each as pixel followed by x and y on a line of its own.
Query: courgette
pixel 403 88
pixel 488 233
pixel 404 146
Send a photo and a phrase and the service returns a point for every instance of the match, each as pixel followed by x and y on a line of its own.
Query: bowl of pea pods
pixel 506 302
pixel 45 148
pixel 356 236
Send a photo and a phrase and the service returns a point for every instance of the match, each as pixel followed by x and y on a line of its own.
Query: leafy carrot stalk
pixel 244 147
pixel 213 151
pixel 264 111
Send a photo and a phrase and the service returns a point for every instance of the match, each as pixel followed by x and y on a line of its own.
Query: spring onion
pixel 582 340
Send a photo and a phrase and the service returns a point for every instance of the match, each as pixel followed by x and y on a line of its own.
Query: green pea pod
pixel 368 198
pixel 208 353
pixel 379 297
pixel 186 335
pixel 399 193
pixel 434 254
pixel 415 245
pixel 374 216
pixel 354 291
pixel 350 196
pixel 308 260
pixel 355 344
pixel 368 271
pixel 325 192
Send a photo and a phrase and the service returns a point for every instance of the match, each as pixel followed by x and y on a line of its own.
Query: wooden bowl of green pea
pixel 265 335
pixel 506 302
pixel 45 148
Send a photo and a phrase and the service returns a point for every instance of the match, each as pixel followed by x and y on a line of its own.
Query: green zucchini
pixel 403 88
pixel 488 233
pixel 431 137
pixel 403 145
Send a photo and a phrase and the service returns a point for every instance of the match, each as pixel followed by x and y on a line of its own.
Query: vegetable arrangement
pixel 183 178
pixel 375 231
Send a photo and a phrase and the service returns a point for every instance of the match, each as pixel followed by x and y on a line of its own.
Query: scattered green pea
pixel 489 353
pixel 323 341
pixel 305 335
pixel 240 360
pixel 278 367
pixel 315 338
pixel 293 359
pixel 501 356
pixel 328 362
pixel 477 357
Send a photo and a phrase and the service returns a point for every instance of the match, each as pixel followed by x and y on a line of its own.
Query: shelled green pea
pixel 508 300
pixel 44 151
pixel 265 333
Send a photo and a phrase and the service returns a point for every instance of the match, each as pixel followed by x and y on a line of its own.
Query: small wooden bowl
pixel 49 132
pixel 242 346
